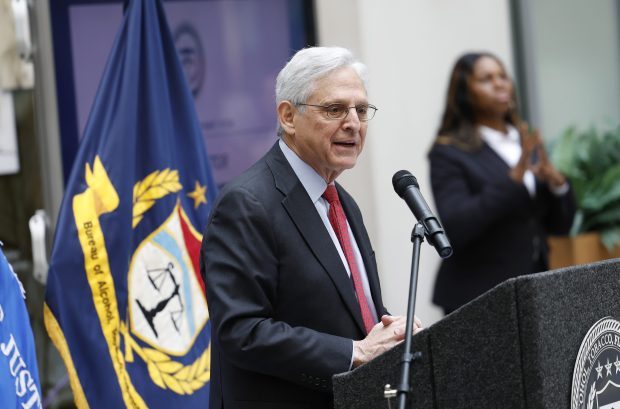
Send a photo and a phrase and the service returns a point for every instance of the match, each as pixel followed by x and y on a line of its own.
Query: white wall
pixel 575 63
pixel 409 48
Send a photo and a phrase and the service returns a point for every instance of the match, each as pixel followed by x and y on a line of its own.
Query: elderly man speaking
pixel 291 277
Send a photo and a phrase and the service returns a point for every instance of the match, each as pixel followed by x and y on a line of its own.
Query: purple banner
pixel 231 52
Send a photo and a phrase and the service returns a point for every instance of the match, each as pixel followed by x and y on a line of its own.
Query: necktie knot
pixel 331 194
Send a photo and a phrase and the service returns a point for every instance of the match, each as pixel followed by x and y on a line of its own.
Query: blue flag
pixel 124 303
pixel 19 376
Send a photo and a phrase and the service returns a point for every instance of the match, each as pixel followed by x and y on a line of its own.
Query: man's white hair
pixel 295 82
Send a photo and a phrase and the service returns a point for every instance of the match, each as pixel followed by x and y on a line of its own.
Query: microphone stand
pixel 417 237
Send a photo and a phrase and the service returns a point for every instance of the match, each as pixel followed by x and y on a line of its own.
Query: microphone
pixel 406 186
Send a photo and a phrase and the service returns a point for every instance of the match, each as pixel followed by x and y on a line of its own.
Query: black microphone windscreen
pixel 402 180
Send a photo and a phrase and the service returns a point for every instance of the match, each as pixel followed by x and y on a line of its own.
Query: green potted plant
pixel 591 161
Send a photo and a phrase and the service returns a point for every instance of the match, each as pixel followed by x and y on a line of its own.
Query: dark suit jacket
pixel 496 229
pixel 282 307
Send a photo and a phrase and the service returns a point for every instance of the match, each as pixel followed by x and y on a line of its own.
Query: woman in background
pixel 496 193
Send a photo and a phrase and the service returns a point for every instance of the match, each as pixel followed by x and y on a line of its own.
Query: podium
pixel 513 347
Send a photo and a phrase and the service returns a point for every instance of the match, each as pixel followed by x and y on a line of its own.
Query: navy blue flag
pixel 19 376
pixel 124 303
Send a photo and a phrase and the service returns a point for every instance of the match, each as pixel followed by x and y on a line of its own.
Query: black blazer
pixel 496 229
pixel 282 307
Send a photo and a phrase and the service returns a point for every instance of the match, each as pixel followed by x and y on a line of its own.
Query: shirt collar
pixel 493 136
pixel 313 183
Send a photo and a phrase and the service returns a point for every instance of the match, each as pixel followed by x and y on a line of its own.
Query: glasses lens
pixel 369 114
pixel 362 112
pixel 336 111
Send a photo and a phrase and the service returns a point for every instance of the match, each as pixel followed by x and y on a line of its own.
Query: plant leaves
pixel 590 159
pixel 603 219
pixel 604 190
pixel 611 238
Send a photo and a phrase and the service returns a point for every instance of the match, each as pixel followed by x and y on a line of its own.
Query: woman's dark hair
pixel 458 124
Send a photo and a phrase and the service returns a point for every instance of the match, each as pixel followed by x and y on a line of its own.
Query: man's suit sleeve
pixel 240 267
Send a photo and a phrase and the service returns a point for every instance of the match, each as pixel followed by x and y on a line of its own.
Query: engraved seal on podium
pixel 596 378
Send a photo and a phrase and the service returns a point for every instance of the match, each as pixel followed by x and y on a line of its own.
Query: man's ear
pixel 286 116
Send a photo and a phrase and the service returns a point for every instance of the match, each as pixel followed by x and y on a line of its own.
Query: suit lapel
pixel 309 224
pixel 496 168
pixel 492 161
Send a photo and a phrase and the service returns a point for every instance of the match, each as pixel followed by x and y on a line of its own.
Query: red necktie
pixel 339 223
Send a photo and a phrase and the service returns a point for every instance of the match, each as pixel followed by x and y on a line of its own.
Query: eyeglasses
pixel 340 111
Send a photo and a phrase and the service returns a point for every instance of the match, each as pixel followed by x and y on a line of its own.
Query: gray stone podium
pixel 513 347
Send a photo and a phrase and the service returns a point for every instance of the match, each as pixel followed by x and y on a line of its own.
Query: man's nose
pixel 352 120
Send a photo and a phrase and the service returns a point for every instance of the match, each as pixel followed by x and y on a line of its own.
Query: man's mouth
pixel 345 143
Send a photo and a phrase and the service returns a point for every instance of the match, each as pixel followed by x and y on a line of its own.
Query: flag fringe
pixel 59 340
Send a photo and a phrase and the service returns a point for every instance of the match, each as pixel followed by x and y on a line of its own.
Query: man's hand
pixel 382 337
